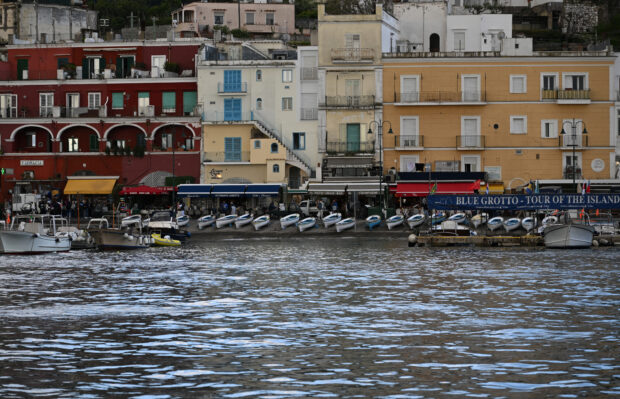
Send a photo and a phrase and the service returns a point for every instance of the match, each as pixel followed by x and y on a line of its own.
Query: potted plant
pixel 69 70
pixel 172 69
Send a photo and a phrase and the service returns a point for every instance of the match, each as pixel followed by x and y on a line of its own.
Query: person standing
pixel 320 207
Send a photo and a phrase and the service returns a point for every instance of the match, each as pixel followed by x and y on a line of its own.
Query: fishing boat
pixel 458 217
pixel 332 219
pixel 512 224
pixel 479 219
pixel 571 235
pixel 289 220
pixel 416 220
pixel 528 223
pixel 166 241
pixel 32 234
pixel 438 217
pixel 227 220
pixel 261 222
pixel 242 220
pixel 182 220
pixel 306 223
pixel 495 223
pixel 129 237
pixel 394 221
pixel 129 220
pixel 205 221
pixel 345 224
pixel 372 221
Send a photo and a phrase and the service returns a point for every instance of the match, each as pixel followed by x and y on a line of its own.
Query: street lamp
pixel 573 143
pixel 379 126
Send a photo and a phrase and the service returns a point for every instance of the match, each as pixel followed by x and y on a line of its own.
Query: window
pixel 143 102
pixel 287 75
pixel 232 81
pixel 46 103
pixel 548 128
pixel 470 163
pixel 549 81
pixel 407 163
pixel 94 100
pixel 232 109
pixel 409 131
pixel 274 148
pixel 232 149
pixel 219 18
pixel 31 139
pixel 257 144
pixel 249 18
pixel 352 41
pixel 117 100
pixel 157 65
pixel 470 131
pixel 61 62
pixel 124 65
pixel 269 19
pixel 259 75
pixel 276 168
pixel 410 88
pixel 8 105
pixel 93 142
pixel 189 102
pixel 575 81
pixel 299 141
pixel 518 83
pixel 471 87
pixel 459 40
pixel 168 101
pixel 92 67
pixel 518 124
pixel 287 103
pixel 259 104
pixel 73 144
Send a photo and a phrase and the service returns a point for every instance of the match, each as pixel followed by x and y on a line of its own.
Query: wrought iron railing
pixel 409 141
pixel 348 101
pixel 470 141
pixel 353 54
pixel 441 96
pixel 350 147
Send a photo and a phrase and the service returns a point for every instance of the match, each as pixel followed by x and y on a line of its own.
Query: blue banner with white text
pixel 524 202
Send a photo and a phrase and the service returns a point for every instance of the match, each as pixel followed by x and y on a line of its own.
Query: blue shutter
pixel 232 109
pixel 232 81
pixel 232 149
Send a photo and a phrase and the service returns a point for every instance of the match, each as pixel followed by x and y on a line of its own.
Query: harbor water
pixel 311 317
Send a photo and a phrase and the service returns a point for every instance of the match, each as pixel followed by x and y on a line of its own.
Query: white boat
pixel 332 219
pixel 165 224
pixel 182 220
pixel 242 220
pixel 130 220
pixel 129 237
pixel 32 234
pixel 345 224
pixel 261 222
pixel 495 223
pixel 145 222
pixel 373 221
pixel 416 220
pixel 306 223
pixel 479 219
pixel 227 220
pixel 450 228
pixel 289 220
pixel 512 224
pixel 547 221
pixel 80 239
pixel 528 223
pixel 458 217
pixel 394 221
pixel 568 235
pixel 205 221
pixel 438 217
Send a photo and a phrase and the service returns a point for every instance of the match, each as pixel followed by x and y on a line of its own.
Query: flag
pixel 583 188
pixel 536 189
pixel 434 188
pixel 487 189
pixel 588 187
pixel 528 188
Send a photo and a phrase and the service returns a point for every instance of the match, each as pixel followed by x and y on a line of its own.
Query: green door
pixel 22 65
pixel 353 137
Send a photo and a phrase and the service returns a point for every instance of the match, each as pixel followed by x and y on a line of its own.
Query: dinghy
pixel 243 220
pixel 227 220
pixel 332 219
pixel 182 220
pixel 416 220
pixel 289 220
pixel 394 221
pixel 512 224
pixel 438 217
pixel 528 223
pixel 458 217
pixel 260 222
pixel 165 241
pixel 205 221
pixel 479 219
pixel 306 224
pixel 373 221
pixel 345 224
pixel 495 223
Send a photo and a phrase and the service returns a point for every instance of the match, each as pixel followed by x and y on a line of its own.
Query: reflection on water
pixel 310 318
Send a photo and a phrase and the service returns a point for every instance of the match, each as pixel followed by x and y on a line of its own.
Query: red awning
pixel 145 190
pixel 422 189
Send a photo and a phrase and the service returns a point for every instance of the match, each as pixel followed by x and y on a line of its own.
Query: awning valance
pixel 90 185
pixel 145 190
pixel 194 190
pixel 228 190
pixel 339 188
pixel 422 189
pixel 262 190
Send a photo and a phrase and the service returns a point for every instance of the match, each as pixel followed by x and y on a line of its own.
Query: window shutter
pixel 189 102
pixel 117 100
pixel 168 100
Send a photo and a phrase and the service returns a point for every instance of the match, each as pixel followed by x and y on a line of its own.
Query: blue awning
pixel 228 190
pixel 194 190
pixel 262 190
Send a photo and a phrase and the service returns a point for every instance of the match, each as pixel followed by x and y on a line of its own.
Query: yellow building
pixel 501 115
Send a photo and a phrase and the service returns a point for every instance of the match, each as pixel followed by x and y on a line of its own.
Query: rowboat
pixel 416 220
pixel 528 223
pixel 182 220
pixel 479 219
pixel 345 224
pixel 438 217
pixel 373 221
pixel 512 224
pixel 394 221
pixel 570 235
pixel 289 220
pixel 459 218
pixel 227 220
pixel 332 219
pixel 243 220
pixel 260 222
pixel 205 221
pixel 306 224
pixel 495 223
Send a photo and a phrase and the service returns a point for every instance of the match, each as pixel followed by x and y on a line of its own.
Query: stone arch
pixel 107 132
pixel 61 131
pixel 171 124
pixel 14 132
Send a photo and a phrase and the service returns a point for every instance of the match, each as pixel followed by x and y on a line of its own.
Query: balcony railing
pixel 353 54
pixel 568 173
pixel 470 141
pixel 409 141
pixel 234 156
pixel 309 73
pixel 241 87
pixel 349 101
pixel 570 141
pixel 567 94
pixel 309 114
pixel 355 147
pixel 8 112
pixel 441 97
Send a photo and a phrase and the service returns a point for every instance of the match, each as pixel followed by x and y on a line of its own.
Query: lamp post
pixel 174 144
pixel 379 127
pixel 573 143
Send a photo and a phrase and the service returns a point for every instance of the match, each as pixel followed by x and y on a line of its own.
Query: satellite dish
pixel 501 35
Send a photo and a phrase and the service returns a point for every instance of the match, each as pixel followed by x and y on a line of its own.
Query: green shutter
pixel 85 71
pixel 119 67
pixel 117 100
pixel 189 102
pixel 94 142
pixel 168 101
pixel 102 64
pixel 143 94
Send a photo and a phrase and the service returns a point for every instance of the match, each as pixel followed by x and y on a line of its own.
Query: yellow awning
pixel 90 186
pixel 494 188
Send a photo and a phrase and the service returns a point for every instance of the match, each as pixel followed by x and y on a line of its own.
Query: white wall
pixel 474 26
pixel 419 20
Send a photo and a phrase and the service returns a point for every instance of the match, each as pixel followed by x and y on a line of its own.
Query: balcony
pixel 567 96
pixel 350 147
pixel 408 142
pixel 569 141
pixel 441 97
pixel 309 114
pixel 348 101
pixel 232 88
pixel 221 157
pixel 309 73
pixel 568 173
pixel 352 55
pixel 470 142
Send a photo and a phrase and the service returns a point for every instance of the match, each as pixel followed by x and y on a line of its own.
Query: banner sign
pixel 524 202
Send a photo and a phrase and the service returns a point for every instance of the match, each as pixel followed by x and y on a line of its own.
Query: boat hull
pixel 373 221
pixel 306 224
pixel 289 221
pixel 331 219
pixel 345 225
pixel 225 221
pixel 242 221
pixel 206 222
pixel 512 224
pixel 116 239
pixel 260 222
pixel 160 241
pixel 22 242
pixel 394 222
pixel 415 220
pixel 568 236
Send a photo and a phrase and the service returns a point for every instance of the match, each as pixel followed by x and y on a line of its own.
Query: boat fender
pixel 130 238
pixel 166 237
pixel 57 239
pixel 126 235
pixel 595 243
pixel 140 240
pixel 412 239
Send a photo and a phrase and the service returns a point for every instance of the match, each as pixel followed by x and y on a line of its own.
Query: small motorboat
pixel 450 228
pixel 512 224
pixel 261 221
pixel 547 221
pixel 394 221
pixel 306 224
pixel 479 219
pixel 227 220
pixel 438 217
pixel 495 223
pixel 372 221
pixel 131 220
pixel 345 224
pixel 416 220
pixel 458 217
pixel 528 223
pixel 332 219
pixel 289 220
pixel 205 221
pixel 568 235
pixel 182 220
pixel 243 220
pixel 165 241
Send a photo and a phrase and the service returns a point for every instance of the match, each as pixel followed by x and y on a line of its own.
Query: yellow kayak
pixel 165 241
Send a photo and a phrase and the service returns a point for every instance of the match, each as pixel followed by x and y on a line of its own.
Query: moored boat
pixel 416 220
pixel 528 223
pixel 438 217
pixel 332 219
pixel 512 224
pixel 165 224
pixel 547 221
pixel 495 223
pixel 129 220
pixel 307 223
pixel 182 220
pixel 289 220
pixel 394 221
pixel 450 228
pixel 570 235
pixel 205 221
pixel 242 220
pixel 227 220
pixel 372 221
pixel 30 234
pixel 165 241
pixel 345 224
pixel 261 222
pixel 130 237
pixel 479 219
pixel 458 217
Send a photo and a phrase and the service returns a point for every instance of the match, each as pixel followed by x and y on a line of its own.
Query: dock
pixel 496 241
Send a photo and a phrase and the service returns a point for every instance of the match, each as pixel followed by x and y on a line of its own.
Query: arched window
pixel 259 103
pixel 274 148
pixel 259 75
pixel 276 168
pixel 434 43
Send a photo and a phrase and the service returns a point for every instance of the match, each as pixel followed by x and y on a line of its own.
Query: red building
pixel 123 109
